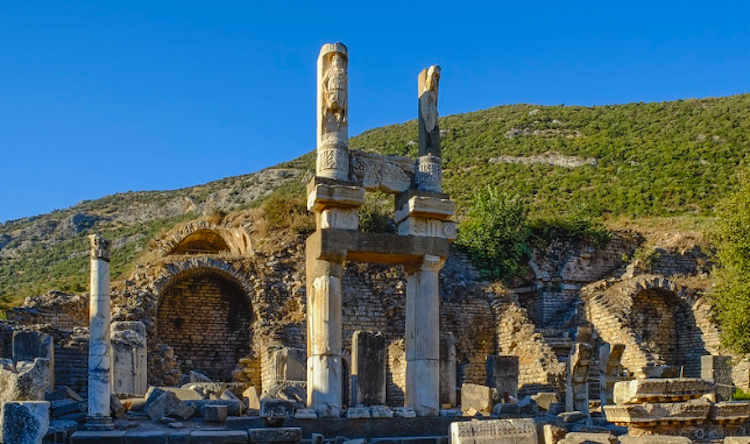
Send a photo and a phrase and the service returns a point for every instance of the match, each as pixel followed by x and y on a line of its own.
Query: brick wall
pixel 206 320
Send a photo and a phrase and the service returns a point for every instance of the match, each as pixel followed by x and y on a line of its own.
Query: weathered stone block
pixel 380 411
pixel 251 396
pixel 552 434
pixel 390 174
pixel 368 376
pixel 588 438
pixel 25 422
pixel 656 439
pixel 27 382
pixel 28 345
pixel 215 413
pixel 320 196
pixel 62 392
pixel 290 364
pixel 660 390
pixel 218 437
pixel 357 412
pixel 732 411
pixel 426 207
pixel 447 370
pixel 498 431
pixel 502 374
pixel 306 414
pixel 129 357
pixel 276 408
pixel 545 399
pixel 182 394
pixel 280 435
pixel 234 407
pixel 640 414
pixel 731 440
pixel 477 397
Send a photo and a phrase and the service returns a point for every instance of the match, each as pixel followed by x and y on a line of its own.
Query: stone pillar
pixel 423 337
pixel 448 370
pixel 99 346
pixel 333 113
pixel 577 387
pixel 610 371
pixel 28 345
pixel 502 374
pixel 718 369
pixel 429 163
pixel 129 357
pixel 368 368
pixel 324 368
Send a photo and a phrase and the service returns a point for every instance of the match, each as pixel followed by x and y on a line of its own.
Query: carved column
pixel 99 346
pixel 333 113
pixel 324 368
pixel 423 337
pixel 429 175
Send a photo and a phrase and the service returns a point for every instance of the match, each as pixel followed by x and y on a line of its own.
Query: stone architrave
pixel 576 386
pixel 448 370
pixel 495 431
pixel 423 337
pixel 368 376
pixel 718 369
pixel 333 113
pixel 324 365
pixel 28 345
pixel 129 357
pixel 99 344
pixel 502 374
pixel 610 370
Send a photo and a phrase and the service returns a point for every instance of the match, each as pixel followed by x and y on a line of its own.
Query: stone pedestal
pixel 368 368
pixel 99 345
pixel 129 357
pixel 502 374
pixel 324 370
pixel 448 370
pixel 28 345
pixel 423 337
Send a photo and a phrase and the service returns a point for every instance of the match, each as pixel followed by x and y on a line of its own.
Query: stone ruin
pixel 380 337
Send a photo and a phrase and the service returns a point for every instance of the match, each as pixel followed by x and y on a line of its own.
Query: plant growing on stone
pixel 494 233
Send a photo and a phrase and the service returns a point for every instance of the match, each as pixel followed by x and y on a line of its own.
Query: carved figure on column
pixel 429 175
pixel 333 112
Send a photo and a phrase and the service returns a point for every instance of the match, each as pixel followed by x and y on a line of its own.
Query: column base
pixel 423 386
pixel 99 423
pixel 324 385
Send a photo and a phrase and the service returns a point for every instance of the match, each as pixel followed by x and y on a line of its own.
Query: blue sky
pixel 104 97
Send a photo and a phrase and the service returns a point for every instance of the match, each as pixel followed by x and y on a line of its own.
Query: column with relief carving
pixel 99 345
pixel 332 160
pixel 429 175
pixel 423 337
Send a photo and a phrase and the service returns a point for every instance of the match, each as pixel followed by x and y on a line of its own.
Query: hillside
pixel 623 163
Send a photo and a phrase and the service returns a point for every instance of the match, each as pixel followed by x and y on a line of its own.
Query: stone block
pixel 502 374
pixel 182 394
pixel 233 407
pixel 660 390
pixel 100 437
pixel 289 364
pixel 28 381
pixel 404 412
pixel 368 374
pixel 731 411
pixel 498 431
pixel 420 226
pixel 28 345
pixel 251 396
pixel 146 437
pixel 218 437
pixel 215 413
pixel 380 411
pixel 545 399
pixel 427 207
pixel 662 371
pixel 574 416
pixel 589 438
pixel 447 370
pixel 280 435
pixel 321 196
pixel 357 412
pixel 477 397
pixel 652 413
pixel 389 174
pixel 166 403
pixel 656 439
pixel 552 434
pixel 733 440
pixel 340 218
pixel 213 390
pixel 305 414
pixel 276 408
pixel 741 375
pixel 129 357
pixel 717 369
pixel 62 392
pixel 25 422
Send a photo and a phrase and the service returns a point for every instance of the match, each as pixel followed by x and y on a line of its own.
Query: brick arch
pixel 204 313
pixel 219 239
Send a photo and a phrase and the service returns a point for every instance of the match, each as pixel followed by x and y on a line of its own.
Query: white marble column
pixel 333 113
pixel 99 347
pixel 324 367
pixel 423 337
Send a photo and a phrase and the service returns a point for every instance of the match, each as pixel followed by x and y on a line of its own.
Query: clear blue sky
pixel 103 97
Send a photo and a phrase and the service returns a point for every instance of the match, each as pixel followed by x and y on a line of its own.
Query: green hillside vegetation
pixel 641 161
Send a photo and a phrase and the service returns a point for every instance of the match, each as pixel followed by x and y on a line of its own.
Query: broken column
pixel 332 160
pixel 576 387
pixel 28 345
pixel 129 358
pixel 429 163
pixel 502 374
pixel 368 368
pixel 610 370
pixel 423 337
pixel 448 370
pixel 99 346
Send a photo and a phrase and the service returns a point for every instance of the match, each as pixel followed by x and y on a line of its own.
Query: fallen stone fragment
pixel 589 438
pixel 476 396
pixel 25 422
pixel 251 396
pixel 62 392
pixel 660 390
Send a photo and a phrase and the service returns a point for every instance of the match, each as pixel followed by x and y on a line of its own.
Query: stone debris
pixel 25 422
pixel 477 397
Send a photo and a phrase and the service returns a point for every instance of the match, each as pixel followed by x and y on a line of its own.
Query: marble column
pixel 423 337
pixel 324 366
pixel 429 163
pixel 99 346
pixel 332 159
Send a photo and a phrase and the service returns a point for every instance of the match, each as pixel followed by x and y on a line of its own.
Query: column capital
pixel 99 247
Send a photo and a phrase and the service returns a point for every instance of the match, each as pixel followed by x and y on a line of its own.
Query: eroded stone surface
pixel 692 410
pixel 499 431
pixel 660 389
pixel 25 422
pixel 477 397
pixel 368 375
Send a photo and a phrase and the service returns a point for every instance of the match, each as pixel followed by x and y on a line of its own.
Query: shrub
pixel 376 214
pixel 731 293
pixel 495 232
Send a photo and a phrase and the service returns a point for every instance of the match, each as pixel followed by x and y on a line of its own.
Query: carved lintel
pixel 99 247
